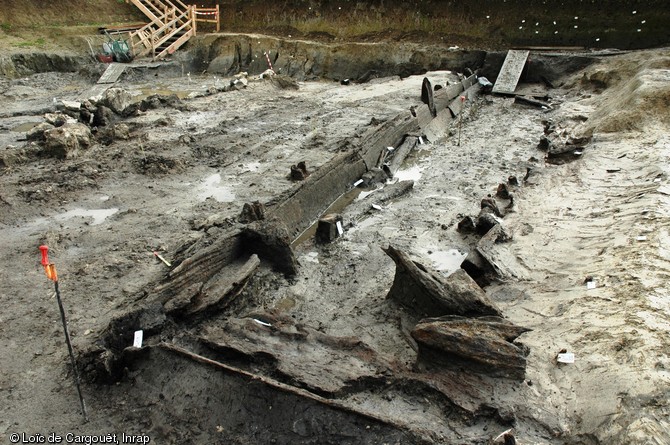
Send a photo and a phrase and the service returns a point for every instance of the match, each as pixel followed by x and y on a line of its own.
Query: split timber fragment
pixel 397 157
pixel 428 292
pixel 271 240
pixel 533 102
pixel 358 209
pixel 493 249
pixel 485 343
pixel 278 341
pixel 191 274
pixel 389 134
pixel 221 289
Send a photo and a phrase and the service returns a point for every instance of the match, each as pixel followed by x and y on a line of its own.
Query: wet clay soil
pixel 188 170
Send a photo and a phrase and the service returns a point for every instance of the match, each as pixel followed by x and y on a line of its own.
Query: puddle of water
pixel 363 194
pixel 311 257
pixel 212 188
pixel 285 304
pixel 447 261
pixel 252 166
pixel 412 173
pixel 98 215
pixel 25 127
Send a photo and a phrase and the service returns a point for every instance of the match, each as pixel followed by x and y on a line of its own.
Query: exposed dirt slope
pixel 492 24
pixel 37 14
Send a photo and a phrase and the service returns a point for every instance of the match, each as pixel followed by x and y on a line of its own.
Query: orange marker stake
pixel 50 270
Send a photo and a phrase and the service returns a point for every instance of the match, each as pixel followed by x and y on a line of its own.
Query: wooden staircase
pixel 171 24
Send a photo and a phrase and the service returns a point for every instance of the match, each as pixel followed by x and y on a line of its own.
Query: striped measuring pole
pixel 267 57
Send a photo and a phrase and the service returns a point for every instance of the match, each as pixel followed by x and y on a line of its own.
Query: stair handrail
pixel 159 19
pixel 208 12
pixel 174 9
pixel 175 21
pixel 169 23
pixel 147 32
pixel 183 7
pixel 150 26
pixel 148 12
pixel 144 40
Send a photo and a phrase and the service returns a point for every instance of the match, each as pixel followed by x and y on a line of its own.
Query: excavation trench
pixel 219 353
pixel 201 286
pixel 290 360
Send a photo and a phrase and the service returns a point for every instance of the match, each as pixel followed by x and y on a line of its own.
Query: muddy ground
pixel 180 176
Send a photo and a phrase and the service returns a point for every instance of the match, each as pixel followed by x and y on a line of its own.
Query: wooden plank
pixel 438 128
pixel 113 30
pixel 510 73
pixel 469 81
pixel 423 116
pixel 444 96
pixel 456 106
pixel 112 73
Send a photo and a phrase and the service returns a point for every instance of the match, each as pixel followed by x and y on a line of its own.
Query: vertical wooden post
pixel 218 19
pixel 153 46
pixel 193 20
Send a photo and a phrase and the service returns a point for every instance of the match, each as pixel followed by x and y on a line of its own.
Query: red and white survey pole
pixel 460 119
pixel 267 57
pixel 50 269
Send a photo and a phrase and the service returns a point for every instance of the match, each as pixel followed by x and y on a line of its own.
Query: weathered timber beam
pixel 299 208
pixel 428 292
pixel 496 252
pixel 200 267
pixel 486 343
pixel 400 153
pixel 388 134
pixel 221 289
pixel 359 208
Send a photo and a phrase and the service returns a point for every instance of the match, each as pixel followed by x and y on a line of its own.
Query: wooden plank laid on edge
pixel 112 73
pixel 510 73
